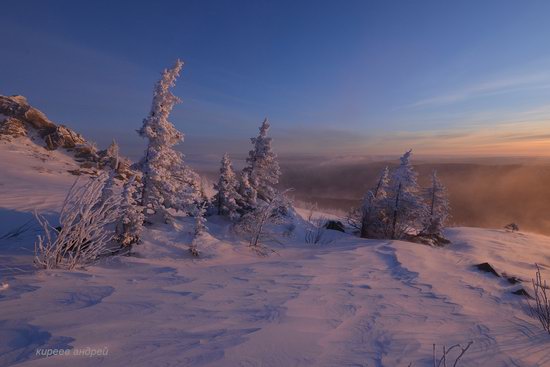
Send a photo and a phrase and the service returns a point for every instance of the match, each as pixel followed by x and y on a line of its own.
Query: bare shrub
pixel 540 307
pixel 512 227
pixel 354 218
pixel 311 209
pixel 85 232
pixel 445 356
pixel 315 234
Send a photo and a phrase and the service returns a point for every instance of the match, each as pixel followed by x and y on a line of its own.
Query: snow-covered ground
pixel 349 302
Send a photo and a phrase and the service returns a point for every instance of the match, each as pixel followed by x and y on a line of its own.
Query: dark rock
pixel 434 240
pixel 87 165
pixel 522 292
pixel 335 225
pixel 513 280
pixel 62 136
pixel 512 227
pixel 14 106
pixel 85 152
pixel 486 267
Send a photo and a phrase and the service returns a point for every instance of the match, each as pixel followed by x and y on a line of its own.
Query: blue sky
pixel 334 77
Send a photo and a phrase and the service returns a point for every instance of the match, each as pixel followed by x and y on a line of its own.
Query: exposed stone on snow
pixel 512 279
pixel 12 127
pixel 522 292
pixel 62 136
pixel 335 225
pixel 486 267
pixel 55 136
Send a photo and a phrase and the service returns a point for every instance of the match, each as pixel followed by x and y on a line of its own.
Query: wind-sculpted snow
pixel 350 302
pixel 20 341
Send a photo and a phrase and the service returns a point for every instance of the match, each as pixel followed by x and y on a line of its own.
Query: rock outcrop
pixel 22 116
pixel 18 118
pixel 12 128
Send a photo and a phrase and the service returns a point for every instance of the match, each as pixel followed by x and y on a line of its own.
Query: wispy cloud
pixel 516 83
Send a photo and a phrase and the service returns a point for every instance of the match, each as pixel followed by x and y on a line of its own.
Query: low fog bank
pixel 484 192
pixel 489 194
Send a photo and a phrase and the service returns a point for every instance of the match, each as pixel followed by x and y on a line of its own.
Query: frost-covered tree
pixel 248 196
pixel 200 220
pixel 130 225
pixel 262 166
pixel 254 224
pixel 112 155
pixel 226 197
pixel 109 186
pixel 191 194
pixel 373 211
pixel 200 228
pixel 167 181
pixel 438 208
pixel 405 205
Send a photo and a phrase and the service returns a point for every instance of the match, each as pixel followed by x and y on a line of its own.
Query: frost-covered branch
pixel 86 227
pixel 254 224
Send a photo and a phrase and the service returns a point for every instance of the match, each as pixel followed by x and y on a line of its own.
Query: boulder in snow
pixel 486 267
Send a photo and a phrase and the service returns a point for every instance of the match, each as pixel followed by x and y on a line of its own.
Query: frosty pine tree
pixel 248 197
pixel 167 181
pixel 262 167
pixel 438 209
pixel 226 197
pixel 407 210
pixel 373 213
pixel 131 224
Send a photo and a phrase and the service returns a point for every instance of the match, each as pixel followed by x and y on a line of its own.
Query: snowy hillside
pixel 349 302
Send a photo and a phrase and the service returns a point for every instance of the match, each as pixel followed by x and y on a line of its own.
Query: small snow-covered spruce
pixel 112 155
pixel 262 166
pixel 438 211
pixel 167 181
pixel 407 210
pixel 86 228
pixel 109 186
pixel 226 197
pixel 130 226
pixel 373 211
pixel 200 228
pixel 247 200
pixel 254 224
